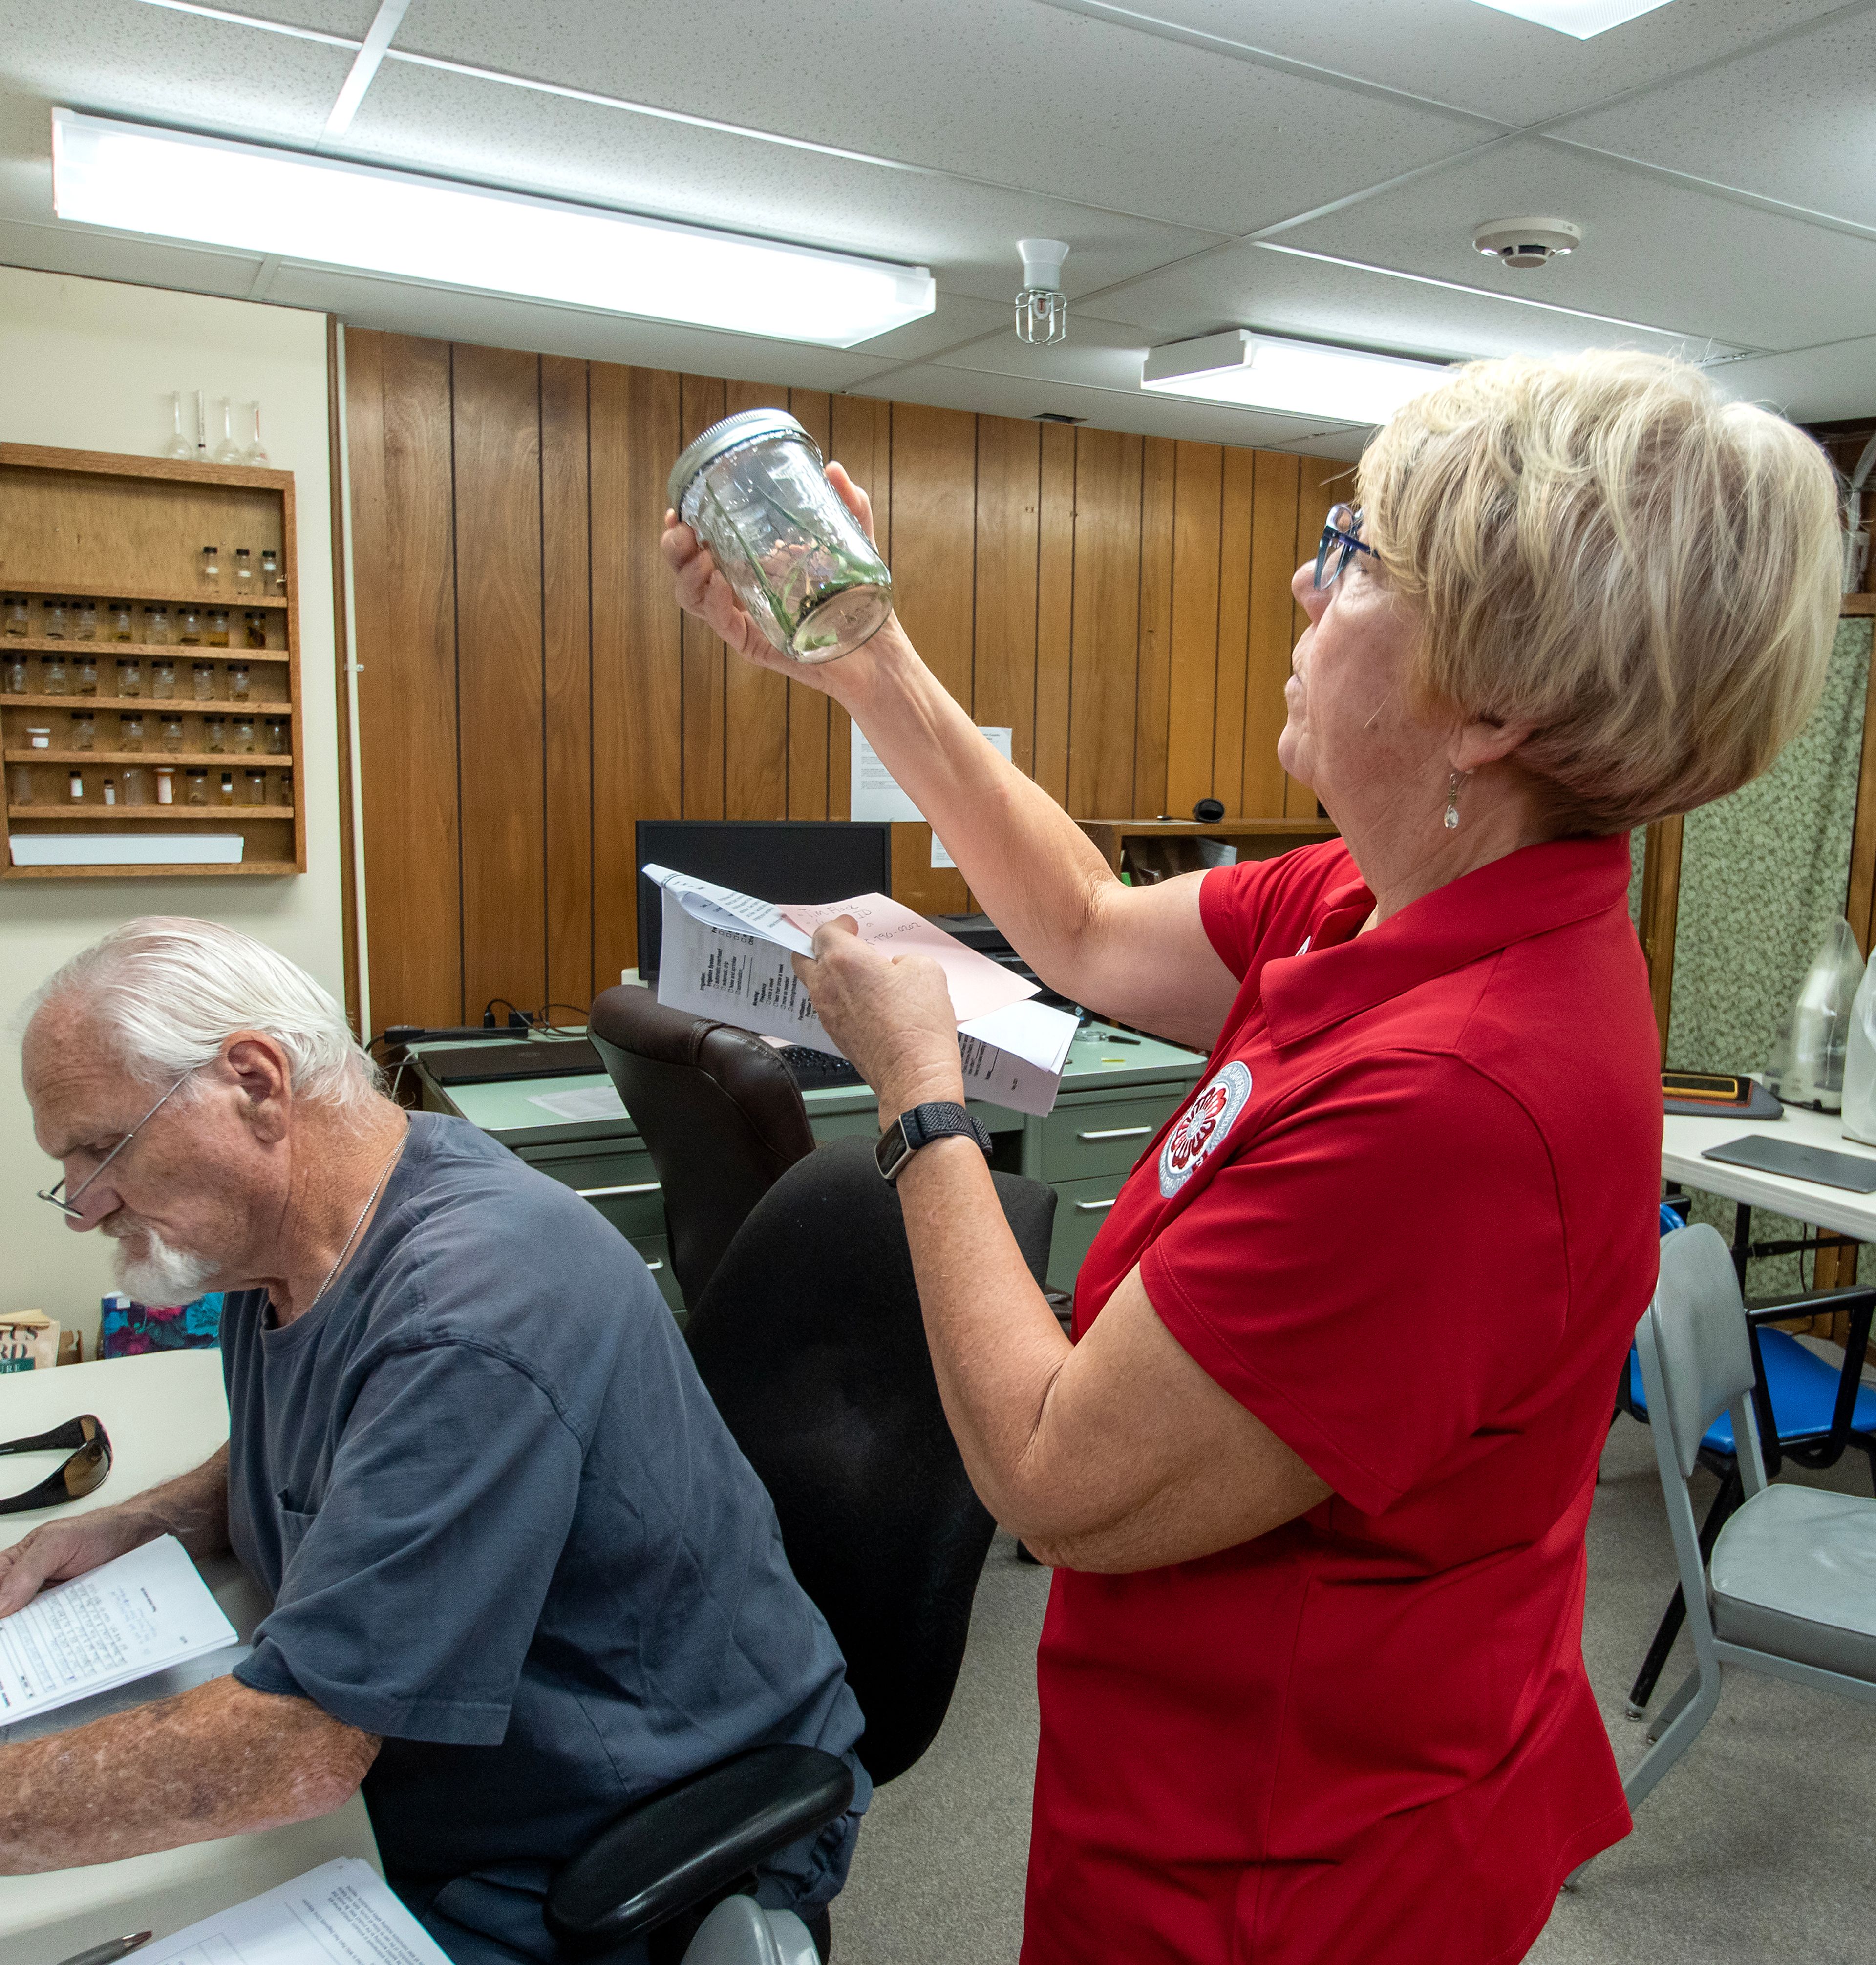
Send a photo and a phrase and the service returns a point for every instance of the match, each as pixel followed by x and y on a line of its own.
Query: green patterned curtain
pixel 1763 874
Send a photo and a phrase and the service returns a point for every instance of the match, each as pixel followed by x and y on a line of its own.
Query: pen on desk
pixel 108 1954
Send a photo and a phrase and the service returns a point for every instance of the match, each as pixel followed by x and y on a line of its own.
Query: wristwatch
pixel 919 1126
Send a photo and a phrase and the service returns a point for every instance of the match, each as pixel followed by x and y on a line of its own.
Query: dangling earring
pixel 1453 802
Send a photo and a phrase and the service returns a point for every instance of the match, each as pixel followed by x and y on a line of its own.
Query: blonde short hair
pixel 1600 547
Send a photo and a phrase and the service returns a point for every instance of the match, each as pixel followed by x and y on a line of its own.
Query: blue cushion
pixel 1802 1386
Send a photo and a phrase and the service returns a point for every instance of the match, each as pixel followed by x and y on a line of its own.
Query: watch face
pixel 891 1152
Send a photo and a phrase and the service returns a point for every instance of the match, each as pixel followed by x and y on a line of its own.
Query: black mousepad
pixel 1799 1161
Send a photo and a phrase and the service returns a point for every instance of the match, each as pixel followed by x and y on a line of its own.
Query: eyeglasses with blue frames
pixel 67 1204
pixel 1341 540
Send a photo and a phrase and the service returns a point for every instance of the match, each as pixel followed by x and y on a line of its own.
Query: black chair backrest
pixel 811 1342
pixel 719 1113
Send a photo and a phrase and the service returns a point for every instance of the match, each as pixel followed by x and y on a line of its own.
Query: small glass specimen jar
pixel 85 674
pixel 752 489
pixel 163 680
pixel 87 614
pixel 84 736
pixel 156 626
pixel 240 681
pixel 54 678
pixel 17 676
pixel 204 682
pixel 198 793
pixel 242 739
pixel 276 736
pixel 130 731
pixel 17 618
pixel 217 627
pixel 121 630
pixel 130 676
pixel 214 735
pixel 172 733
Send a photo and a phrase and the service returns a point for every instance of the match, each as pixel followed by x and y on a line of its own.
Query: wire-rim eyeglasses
pixel 67 1204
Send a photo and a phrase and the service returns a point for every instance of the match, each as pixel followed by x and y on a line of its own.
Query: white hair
pixel 172 990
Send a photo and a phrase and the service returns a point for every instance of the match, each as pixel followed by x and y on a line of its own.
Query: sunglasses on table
pixel 84 1473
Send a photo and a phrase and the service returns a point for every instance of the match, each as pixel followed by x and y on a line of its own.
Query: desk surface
pixel 165 1414
pixel 1095 1063
pixel 1685 1140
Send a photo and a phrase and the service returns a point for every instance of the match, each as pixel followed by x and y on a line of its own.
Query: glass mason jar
pixel 156 626
pixel 53 678
pixel 18 620
pixel 18 677
pixel 215 734
pixel 88 621
pixel 130 676
pixel 752 489
pixel 84 671
pixel 204 682
pixel 130 732
pixel 276 736
pixel 84 736
pixel 242 739
pixel 120 628
pixel 163 680
pixel 172 733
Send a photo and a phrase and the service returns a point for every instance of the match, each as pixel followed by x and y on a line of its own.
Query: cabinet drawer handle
pixel 1094 1207
pixel 1119 1132
pixel 606 1193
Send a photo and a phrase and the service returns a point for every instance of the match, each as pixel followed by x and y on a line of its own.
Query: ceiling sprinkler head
pixel 1042 307
pixel 1525 242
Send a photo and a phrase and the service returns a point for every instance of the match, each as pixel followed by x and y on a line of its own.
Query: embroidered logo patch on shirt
pixel 1203 1123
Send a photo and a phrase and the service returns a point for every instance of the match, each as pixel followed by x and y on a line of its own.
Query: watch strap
pixel 919 1126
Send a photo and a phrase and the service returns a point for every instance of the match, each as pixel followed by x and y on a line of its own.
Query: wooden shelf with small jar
pixel 105 600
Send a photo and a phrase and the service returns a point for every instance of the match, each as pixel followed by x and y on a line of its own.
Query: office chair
pixel 1787 1588
pixel 809 1339
pixel 1805 1408
pixel 719 1114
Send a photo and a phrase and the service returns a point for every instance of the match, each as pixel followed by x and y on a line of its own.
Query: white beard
pixel 160 1274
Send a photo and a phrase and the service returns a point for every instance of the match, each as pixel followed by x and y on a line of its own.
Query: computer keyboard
pixel 810 1068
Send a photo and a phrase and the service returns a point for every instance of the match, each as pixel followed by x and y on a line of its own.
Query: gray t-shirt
pixel 505 1528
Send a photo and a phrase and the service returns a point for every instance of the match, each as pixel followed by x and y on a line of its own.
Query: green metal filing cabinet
pixel 1116 1096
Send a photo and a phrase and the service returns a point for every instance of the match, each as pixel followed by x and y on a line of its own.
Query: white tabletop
pixel 1683 1140
pixel 166 1412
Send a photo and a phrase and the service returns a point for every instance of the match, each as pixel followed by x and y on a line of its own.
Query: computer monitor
pixel 774 860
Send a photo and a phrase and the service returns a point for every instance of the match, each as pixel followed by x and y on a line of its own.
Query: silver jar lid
pixel 745 426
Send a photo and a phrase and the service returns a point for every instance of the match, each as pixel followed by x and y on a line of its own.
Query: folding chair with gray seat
pixel 1791 1586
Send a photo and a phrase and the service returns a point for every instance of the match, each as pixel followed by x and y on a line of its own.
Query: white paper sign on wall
pixel 875 794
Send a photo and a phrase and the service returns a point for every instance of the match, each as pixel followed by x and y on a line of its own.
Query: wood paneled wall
pixel 528 687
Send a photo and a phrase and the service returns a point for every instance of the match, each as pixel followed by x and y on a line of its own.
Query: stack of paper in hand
pixel 725 955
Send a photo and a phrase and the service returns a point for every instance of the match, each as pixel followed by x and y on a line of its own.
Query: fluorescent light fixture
pixel 1583 18
pixel 132 178
pixel 1301 378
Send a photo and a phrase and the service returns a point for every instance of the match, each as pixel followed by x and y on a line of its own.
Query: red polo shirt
pixel 1408 1219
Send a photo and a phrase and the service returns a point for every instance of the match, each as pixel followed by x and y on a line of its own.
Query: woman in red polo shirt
pixel 1314 1473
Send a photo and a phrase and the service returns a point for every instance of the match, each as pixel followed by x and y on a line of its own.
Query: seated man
pixel 522 1576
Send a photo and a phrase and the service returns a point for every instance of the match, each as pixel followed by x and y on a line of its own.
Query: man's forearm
pixel 221 1760
pixel 193 1507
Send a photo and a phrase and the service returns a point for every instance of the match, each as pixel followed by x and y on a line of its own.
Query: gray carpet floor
pixel 1758 1845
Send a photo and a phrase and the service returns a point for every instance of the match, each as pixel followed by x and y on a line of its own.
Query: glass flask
pixel 122 627
pixel 130 731
pixel 134 793
pixel 227 451
pixel 21 784
pixel 752 489
pixel 163 680
pixel 156 626
pixel 214 735
pixel 240 678
pixel 242 739
pixel 189 626
pixel 172 733
pixel 198 791
pixel 130 676
pixel 217 635
pixel 166 777
pixel 85 675
pixel 52 678
pixel 83 730
pixel 17 676
pixel 227 788
pixel 256 630
pixel 204 686
pixel 276 736
pixel 56 621
pixel 256 452
pixel 255 788
pixel 87 620
pixel 212 566
pixel 178 445
pixel 18 619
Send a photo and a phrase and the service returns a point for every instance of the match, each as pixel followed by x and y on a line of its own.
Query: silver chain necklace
pixel 345 1249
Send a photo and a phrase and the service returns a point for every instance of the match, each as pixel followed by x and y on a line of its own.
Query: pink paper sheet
pixel 978 985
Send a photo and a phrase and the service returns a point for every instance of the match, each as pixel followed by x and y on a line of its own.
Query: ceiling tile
pixel 967 233
pixel 1255 286
pixel 1005 90
pixel 117 58
pixel 329 17
pixel 1797 123
pixel 1452 51
pixel 1653 251
pixel 1816 385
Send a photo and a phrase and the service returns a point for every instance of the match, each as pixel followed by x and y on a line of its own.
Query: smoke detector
pixel 1042 307
pixel 1525 242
